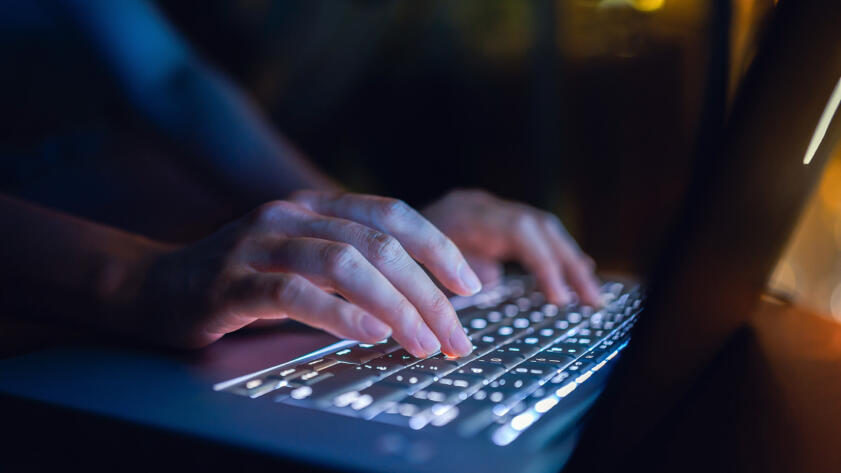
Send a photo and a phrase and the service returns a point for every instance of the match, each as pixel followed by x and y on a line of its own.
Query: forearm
pixel 58 267
pixel 230 138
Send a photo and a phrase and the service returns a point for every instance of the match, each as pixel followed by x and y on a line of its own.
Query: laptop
pixel 546 387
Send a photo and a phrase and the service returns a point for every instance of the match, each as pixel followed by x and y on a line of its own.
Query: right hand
pixel 285 259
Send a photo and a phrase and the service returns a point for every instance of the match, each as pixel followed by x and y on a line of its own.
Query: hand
pixel 488 230
pixel 286 257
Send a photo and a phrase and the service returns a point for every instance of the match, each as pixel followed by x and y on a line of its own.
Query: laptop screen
pixel 745 197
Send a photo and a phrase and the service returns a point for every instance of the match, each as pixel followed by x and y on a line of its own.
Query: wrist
pixel 121 282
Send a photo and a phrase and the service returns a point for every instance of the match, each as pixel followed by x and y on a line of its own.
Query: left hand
pixel 489 230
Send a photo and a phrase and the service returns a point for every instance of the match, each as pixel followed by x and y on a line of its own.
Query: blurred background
pixel 590 108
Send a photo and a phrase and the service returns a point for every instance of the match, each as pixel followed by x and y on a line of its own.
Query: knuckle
pixel 385 248
pixel 523 221
pixel 440 304
pixel 392 209
pixel 270 211
pixel 347 313
pixel 340 257
pixel 439 243
pixel 350 316
pixel 406 312
pixel 239 243
pixel 289 288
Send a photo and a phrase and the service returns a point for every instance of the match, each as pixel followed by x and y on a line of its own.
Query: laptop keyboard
pixel 528 356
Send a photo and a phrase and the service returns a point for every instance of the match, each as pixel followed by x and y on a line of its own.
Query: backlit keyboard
pixel 528 356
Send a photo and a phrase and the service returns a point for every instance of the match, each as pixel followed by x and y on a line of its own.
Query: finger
pixel 342 268
pixel 389 257
pixel 577 266
pixel 532 249
pixel 419 237
pixel 270 296
pixel 266 323
pixel 488 270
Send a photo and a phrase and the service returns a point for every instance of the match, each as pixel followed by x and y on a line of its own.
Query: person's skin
pixel 284 259
pixel 488 230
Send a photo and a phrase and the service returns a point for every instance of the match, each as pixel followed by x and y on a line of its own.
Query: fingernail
pixel 557 296
pixel 469 278
pixel 459 342
pixel 562 296
pixel 428 341
pixel 374 328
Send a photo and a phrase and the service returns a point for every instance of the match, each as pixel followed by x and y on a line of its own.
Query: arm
pixel 58 267
pixel 193 103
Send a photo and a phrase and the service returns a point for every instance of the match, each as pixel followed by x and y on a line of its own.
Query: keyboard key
pixel 484 369
pixel 435 366
pixel 510 310
pixel 411 381
pixel 375 399
pixel 547 335
pixel 322 364
pixel 401 413
pixel 537 317
pixel 542 370
pixel 519 383
pixel 293 372
pixel 281 392
pixel 344 378
pixel 478 324
pixel 486 343
pixel 560 378
pixel 510 389
pixel 562 324
pixel 520 323
pixel 522 347
pixel 502 357
pixel 505 332
pixel 403 357
pixel 355 355
pixel 467 384
pixel 494 316
pixel 384 366
pixel 256 387
pixel 312 377
pixel 557 360
pixel 565 348
pixel 579 369
pixel 440 394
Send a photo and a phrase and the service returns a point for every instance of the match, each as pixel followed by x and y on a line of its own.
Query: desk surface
pixel 770 403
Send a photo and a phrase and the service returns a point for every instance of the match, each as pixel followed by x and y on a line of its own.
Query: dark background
pixel 591 109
